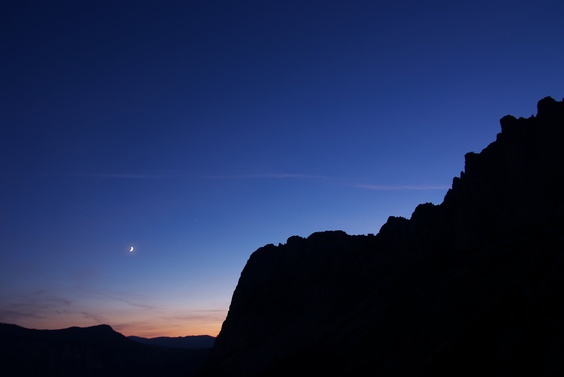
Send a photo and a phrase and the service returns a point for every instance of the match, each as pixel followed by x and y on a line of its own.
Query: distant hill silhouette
pixel 473 286
pixel 90 351
pixel 187 342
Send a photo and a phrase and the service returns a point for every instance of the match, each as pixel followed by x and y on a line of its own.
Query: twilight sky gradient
pixel 198 131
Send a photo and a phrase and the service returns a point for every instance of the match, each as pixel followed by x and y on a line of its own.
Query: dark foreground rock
pixel 473 286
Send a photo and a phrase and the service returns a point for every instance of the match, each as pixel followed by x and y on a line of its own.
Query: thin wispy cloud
pixel 259 176
pixel 333 180
pixel 271 176
pixel 196 315
pixel 119 297
pixel 91 175
pixel 95 317
pixel 400 187
pixel 181 175
pixel 38 305
pixel 124 176
pixel 13 315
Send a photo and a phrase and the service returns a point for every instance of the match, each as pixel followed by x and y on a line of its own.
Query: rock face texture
pixel 473 286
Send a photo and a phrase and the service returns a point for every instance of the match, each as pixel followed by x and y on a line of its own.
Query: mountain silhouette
pixel 89 351
pixel 187 342
pixel 472 286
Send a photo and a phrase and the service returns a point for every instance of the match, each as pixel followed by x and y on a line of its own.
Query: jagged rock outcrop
pixel 473 286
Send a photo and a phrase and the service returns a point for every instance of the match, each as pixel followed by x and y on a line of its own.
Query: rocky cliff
pixel 472 286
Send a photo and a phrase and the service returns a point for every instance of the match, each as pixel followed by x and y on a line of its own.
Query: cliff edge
pixel 472 286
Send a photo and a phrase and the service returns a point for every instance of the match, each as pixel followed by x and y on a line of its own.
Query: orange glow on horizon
pixel 211 329
pixel 148 328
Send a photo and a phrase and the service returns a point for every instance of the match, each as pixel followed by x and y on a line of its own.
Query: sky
pixel 198 131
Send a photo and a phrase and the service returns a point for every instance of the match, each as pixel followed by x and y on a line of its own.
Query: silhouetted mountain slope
pixel 473 286
pixel 187 342
pixel 90 351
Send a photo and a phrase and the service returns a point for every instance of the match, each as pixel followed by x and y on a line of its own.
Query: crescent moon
pixel 131 249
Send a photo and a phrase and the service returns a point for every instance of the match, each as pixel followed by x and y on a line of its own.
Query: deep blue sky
pixel 198 131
